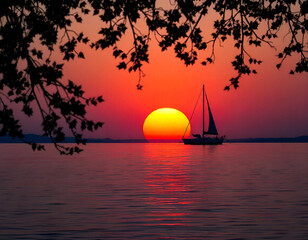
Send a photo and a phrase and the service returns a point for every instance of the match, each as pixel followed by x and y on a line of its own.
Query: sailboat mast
pixel 203 111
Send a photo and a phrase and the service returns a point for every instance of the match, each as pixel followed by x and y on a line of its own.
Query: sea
pixel 155 191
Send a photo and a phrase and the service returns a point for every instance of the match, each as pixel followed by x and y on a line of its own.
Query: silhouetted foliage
pixel 31 30
pixel 247 22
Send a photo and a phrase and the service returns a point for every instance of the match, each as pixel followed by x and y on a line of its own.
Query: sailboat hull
pixel 203 141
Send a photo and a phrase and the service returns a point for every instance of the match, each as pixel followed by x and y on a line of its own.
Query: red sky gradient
pixel 271 103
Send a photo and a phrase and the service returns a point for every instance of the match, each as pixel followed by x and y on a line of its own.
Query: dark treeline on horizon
pixel 43 139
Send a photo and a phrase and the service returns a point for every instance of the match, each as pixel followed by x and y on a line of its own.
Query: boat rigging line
pixel 192 113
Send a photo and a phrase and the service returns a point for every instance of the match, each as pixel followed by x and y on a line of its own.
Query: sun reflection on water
pixel 168 182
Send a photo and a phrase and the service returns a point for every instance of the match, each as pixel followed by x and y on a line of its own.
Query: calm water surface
pixel 155 191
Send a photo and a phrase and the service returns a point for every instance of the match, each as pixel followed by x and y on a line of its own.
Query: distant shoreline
pixel 43 139
pixel 269 140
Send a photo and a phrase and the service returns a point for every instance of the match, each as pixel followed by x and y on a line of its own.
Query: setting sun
pixel 166 123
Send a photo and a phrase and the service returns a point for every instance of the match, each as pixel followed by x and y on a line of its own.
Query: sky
pixel 271 103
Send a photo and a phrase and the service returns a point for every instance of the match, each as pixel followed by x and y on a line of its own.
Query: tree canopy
pixel 32 30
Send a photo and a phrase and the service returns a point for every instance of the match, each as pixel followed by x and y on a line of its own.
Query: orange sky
pixel 269 104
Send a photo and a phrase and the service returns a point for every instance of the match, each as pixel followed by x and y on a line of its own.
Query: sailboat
pixel 209 137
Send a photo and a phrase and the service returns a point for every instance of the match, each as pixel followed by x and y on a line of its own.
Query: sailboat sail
pixel 212 127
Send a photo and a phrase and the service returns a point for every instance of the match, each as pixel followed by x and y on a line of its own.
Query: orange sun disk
pixel 166 123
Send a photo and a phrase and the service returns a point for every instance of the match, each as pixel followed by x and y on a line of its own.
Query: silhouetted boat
pixel 206 137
